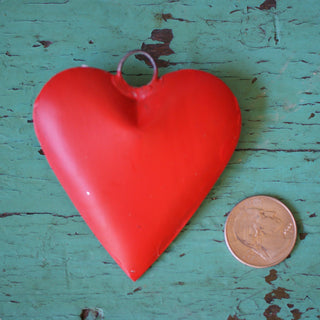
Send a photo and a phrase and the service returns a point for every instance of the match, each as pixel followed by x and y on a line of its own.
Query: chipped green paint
pixel 52 267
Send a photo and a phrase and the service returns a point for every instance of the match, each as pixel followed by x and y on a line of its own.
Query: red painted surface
pixel 136 162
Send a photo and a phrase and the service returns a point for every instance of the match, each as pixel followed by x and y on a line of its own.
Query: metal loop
pixel 153 64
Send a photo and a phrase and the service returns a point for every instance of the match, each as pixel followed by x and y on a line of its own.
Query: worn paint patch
pixel 272 276
pixel 91 314
pixel 157 50
pixel 296 314
pixel 234 317
pixel 268 4
pixel 302 235
pixel 271 313
pixel 279 293
pixel 44 43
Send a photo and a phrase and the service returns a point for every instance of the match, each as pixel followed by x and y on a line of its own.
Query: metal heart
pixel 136 162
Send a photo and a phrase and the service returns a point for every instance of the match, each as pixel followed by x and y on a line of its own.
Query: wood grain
pixel 52 267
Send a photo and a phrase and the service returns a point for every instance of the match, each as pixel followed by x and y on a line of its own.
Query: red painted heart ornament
pixel 136 162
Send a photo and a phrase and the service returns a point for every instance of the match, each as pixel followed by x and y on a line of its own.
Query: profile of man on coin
pixel 260 231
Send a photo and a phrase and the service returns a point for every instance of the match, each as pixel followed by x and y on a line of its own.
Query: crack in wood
pixel 169 16
pixel 10 214
pixel 278 150
pixel 134 291
pixel 51 2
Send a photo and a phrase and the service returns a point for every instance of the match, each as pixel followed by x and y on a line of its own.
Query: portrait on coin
pixel 262 231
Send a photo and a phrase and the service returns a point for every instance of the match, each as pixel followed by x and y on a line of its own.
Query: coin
pixel 260 231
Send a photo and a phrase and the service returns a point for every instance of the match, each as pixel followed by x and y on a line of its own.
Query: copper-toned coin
pixel 260 231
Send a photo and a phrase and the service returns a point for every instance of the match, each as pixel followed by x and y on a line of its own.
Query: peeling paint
pixel 268 4
pixel 312 115
pixel 44 43
pixel 234 317
pixel 302 235
pixel 296 314
pixel 271 313
pixel 272 276
pixel 92 314
pixel 279 293
pixel 158 49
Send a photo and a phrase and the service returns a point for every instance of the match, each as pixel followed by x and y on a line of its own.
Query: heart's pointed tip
pixel 134 279
pixel 133 275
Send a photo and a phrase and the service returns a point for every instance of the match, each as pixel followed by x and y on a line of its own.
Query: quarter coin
pixel 260 231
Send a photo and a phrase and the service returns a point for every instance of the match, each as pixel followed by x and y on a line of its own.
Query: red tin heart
pixel 136 162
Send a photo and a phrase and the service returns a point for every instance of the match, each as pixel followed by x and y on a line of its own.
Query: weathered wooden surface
pixel 51 265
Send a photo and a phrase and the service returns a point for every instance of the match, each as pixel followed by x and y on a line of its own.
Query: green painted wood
pixel 52 267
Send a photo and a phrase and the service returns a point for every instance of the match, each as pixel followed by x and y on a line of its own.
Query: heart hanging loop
pixel 153 64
